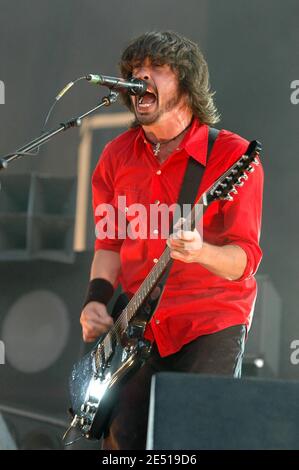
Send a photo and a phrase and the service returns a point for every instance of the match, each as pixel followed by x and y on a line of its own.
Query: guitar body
pixel 95 380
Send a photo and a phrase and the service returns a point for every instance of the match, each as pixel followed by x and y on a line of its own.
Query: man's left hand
pixel 185 245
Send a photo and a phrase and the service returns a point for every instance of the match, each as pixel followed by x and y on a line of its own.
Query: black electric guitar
pixel 96 379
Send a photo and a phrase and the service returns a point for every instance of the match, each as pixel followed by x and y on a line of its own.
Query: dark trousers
pixel 220 353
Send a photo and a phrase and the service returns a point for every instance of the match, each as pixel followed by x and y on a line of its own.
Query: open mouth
pixel 146 102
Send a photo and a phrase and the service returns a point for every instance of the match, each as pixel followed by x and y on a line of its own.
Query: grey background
pixel 252 52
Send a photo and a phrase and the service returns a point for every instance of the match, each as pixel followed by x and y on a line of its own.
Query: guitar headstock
pixel 235 176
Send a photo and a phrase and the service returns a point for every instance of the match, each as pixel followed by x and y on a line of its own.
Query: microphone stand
pixel 75 122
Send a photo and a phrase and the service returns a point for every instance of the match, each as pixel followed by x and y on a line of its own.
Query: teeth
pixel 142 104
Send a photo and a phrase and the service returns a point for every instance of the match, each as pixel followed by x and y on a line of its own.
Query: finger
pixel 98 317
pixel 94 331
pixel 176 243
pixel 175 235
pixel 186 235
pixel 96 326
pixel 177 255
pixel 184 246
pixel 89 338
pixel 106 319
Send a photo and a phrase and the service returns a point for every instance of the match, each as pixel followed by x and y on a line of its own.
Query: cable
pixel 57 98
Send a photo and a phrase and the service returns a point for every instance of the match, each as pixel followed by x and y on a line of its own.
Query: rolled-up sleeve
pixel 242 221
pixel 104 208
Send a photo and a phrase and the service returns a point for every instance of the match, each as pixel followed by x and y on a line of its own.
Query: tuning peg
pixel 244 176
pixel 218 193
pixel 223 185
pixel 233 190
pixel 228 198
pixel 239 183
pixel 250 169
pixel 256 162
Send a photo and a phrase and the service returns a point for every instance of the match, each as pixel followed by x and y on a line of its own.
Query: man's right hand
pixel 95 321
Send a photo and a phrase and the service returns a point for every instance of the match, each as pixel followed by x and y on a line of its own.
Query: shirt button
pixel 158 172
pixel 156 231
pixel 157 322
pixel 155 260
pixel 157 202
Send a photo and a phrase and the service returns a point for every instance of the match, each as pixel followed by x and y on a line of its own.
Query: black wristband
pixel 99 290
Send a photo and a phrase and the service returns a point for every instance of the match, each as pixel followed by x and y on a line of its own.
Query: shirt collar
pixel 195 142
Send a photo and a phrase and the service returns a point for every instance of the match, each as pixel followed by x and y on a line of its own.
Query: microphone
pixel 133 86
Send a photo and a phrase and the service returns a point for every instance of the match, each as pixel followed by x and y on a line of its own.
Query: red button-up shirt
pixel 195 301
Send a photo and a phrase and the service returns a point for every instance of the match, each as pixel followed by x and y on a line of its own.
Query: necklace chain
pixel 157 146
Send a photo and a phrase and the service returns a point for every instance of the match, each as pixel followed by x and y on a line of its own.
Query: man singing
pixel 206 309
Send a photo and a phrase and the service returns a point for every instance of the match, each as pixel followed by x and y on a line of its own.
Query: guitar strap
pixel 189 189
pixel 194 173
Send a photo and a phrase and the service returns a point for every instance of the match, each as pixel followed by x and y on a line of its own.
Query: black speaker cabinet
pixel 25 431
pixel 40 305
pixel 37 215
pixel 22 430
pixel 194 412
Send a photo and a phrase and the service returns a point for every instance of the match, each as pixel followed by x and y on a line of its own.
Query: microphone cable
pixel 57 98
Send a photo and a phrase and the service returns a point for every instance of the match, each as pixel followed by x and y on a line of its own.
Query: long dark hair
pixel 183 56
